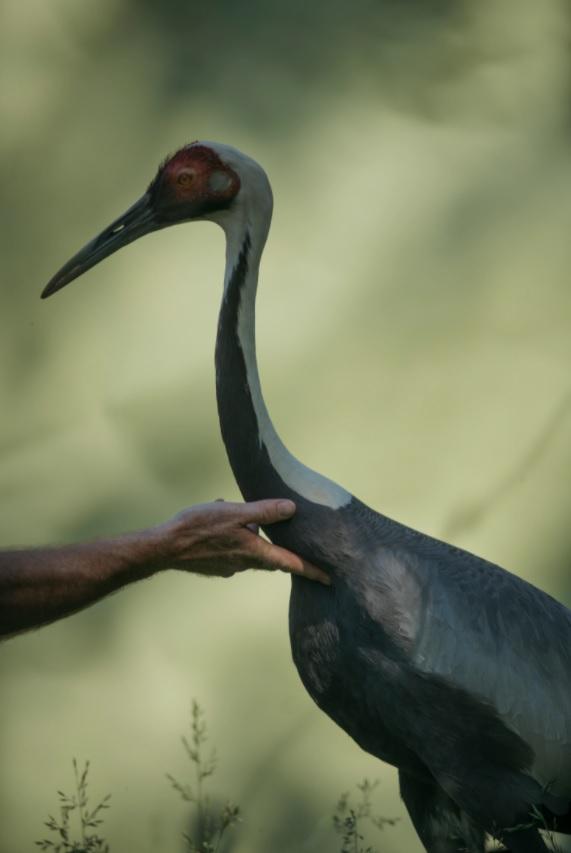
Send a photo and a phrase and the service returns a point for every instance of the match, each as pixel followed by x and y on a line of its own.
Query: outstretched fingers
pixel 267 511
pixel 241 522
pixel 268 556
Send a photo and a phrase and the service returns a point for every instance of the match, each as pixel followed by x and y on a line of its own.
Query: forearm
pixel 38 586
pixel 42 585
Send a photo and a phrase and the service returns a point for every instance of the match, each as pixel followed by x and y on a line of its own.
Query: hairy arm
pixel 41 585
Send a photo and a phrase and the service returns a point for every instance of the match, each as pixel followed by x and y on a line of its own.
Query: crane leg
pixel 528 841
pixel 440 824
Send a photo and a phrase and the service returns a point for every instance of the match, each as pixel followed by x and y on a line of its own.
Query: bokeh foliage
pixel 414 343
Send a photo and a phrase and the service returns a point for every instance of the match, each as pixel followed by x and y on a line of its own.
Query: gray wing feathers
pixel 500 639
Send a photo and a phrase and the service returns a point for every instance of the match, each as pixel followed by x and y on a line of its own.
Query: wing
pixel 483 630
pixel 505 641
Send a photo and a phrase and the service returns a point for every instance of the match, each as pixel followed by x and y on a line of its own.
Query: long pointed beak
pixel 134 223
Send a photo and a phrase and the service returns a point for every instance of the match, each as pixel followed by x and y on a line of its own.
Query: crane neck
pixel 262 464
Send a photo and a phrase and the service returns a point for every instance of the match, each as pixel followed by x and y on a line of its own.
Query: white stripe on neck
pixel 301 479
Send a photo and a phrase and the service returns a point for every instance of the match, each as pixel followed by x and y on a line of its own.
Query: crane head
pixel 195 183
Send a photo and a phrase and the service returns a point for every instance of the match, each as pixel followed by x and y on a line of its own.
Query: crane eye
pixel 185 178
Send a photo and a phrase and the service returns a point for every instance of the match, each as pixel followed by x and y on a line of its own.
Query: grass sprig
pixel 76 818
pixel 349 820
pixel 210 823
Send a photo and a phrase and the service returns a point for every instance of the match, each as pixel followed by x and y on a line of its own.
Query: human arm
pixel 41 585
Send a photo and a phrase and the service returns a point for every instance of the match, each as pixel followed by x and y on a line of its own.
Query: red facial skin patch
pixel 196 173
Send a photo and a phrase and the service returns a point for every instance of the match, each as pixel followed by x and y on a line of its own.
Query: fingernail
pixel 286 508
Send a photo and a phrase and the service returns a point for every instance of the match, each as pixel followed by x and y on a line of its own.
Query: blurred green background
pixel 414 345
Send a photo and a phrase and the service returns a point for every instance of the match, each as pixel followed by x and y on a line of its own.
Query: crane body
pixel 436 661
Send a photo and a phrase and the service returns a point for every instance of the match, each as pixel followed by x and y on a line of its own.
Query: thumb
pixel 268 511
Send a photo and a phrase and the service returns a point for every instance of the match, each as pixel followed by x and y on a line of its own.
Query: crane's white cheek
pixel 219 182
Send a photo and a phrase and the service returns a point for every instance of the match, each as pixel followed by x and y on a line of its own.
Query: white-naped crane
pixel 438 662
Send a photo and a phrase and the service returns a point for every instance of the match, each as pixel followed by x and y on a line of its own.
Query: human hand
pixel 221 538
